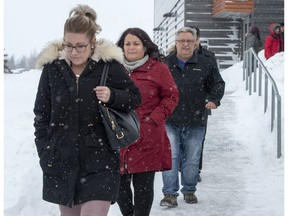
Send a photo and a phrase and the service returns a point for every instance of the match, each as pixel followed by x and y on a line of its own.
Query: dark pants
pixel 201 158
pixel 143 185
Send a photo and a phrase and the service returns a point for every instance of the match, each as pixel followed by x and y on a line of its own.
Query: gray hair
pixel 193 31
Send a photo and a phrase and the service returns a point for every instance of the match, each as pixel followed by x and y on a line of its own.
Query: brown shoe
pixel 190 198
pixel 169 201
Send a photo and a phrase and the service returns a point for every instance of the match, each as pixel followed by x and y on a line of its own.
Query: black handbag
pixel 122 128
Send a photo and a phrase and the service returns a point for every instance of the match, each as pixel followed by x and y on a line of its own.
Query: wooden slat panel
pixel 222 8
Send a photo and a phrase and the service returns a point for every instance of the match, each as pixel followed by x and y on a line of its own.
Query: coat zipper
pixel 77 83
pixel 78 76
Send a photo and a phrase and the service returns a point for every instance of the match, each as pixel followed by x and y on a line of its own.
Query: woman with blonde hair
pixel 80 171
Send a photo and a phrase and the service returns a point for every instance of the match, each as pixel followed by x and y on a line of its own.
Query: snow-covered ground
pixel 241 174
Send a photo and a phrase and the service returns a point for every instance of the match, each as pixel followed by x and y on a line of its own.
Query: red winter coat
pixel 273 43
pixel 152 152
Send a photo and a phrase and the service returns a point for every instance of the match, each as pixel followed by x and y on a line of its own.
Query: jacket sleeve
pixel 169 97
pixel 268 47
pixel 42 110
pixel 215 85
pixel 125 95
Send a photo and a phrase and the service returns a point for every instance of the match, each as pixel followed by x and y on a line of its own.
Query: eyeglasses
pixel 185 41
pixel 79 48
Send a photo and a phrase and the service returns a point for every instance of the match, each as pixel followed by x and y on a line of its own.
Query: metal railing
pixel 253 66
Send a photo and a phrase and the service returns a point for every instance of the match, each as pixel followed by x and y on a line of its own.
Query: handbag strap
pixel 104 74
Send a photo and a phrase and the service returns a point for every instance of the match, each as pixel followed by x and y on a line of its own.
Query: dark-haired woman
pixel 253 39
pixel 151 153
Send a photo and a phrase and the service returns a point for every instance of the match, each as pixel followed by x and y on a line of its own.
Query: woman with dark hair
pixel 253 39
pixel 80 171
pixel 152 152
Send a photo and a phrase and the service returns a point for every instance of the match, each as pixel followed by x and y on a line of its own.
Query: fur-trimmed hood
pixel 104 49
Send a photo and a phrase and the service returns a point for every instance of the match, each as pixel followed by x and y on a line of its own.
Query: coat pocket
pixel 151 136
pixel 49 160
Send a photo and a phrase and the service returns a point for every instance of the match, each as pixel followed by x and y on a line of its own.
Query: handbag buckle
pixel 120 135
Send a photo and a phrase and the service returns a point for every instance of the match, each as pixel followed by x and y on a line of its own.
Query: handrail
pixel 250 68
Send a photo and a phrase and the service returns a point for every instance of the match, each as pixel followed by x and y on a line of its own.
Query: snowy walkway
pixel 220 177
pixel 228 171
pixel 241 175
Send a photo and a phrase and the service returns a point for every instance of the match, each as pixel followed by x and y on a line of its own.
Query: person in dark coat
pixel 152 152
pixel 209 54
pixel 80 172
pixel 253 39
pixel 200 87
pixel 201 51
pixel 282 33
pixel 273 42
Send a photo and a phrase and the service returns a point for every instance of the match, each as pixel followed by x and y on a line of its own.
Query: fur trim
pixel 107 51
pixel 49 53
pixel 104 50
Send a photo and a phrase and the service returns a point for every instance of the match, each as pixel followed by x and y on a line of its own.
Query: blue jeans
pixel 186 146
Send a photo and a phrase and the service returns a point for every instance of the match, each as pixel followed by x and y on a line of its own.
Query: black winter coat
pixel 198 83
pixel 206 52
pixel 70 137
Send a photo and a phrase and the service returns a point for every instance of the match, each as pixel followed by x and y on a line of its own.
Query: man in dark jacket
pixel 202 51
pixel 201 88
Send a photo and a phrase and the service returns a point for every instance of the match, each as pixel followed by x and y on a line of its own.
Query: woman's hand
pixel 102 93
pixel 210 105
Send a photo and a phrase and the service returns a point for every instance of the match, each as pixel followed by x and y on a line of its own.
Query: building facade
pixel 222 23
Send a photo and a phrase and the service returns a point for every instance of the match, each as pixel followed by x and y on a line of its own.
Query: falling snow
pixel 241 174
